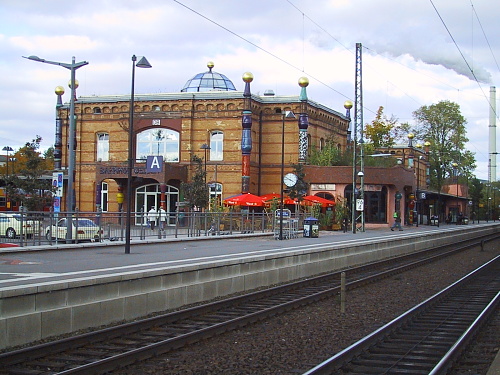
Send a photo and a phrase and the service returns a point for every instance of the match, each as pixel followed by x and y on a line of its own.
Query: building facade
pixel 203 120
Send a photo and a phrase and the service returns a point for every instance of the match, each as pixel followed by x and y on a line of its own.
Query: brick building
pixel 238 136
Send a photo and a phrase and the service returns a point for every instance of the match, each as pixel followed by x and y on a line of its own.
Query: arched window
pixel 216 145
pixel 158 141
pixel 102 149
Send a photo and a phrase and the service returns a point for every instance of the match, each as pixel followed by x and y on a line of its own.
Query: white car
pixel 12 225
pixel 83 230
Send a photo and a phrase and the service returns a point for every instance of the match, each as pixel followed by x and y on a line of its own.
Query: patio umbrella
pixel 246 199
pixel 271 196
pixel 315 199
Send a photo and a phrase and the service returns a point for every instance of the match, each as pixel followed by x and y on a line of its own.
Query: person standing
pixel 163 218
pixel 152 215
pixel 397 220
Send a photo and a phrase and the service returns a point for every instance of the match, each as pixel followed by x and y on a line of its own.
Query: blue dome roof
pixel 209 81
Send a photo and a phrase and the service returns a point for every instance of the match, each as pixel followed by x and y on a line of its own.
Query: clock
pixel 290 179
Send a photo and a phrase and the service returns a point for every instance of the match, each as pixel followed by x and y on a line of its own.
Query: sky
pixel 415 53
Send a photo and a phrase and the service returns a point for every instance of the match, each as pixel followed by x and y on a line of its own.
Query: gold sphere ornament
pixel 411 135
pixel 210 65
pixel 303 81
pixel 348 104
pixel 247 77
pixel 76 84
pixel 59 90
pixel 427 144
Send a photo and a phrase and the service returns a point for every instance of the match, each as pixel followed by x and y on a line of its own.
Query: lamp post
pixel 7 149
pixel 143 63
pixel 71 136
pixel 284 114
pixel 205 148
pixel 455 171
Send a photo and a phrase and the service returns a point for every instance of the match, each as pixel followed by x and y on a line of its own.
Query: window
pixel 216 145
pixel 158 141
pixel 104 197
pixel 102 147
pixel 216 193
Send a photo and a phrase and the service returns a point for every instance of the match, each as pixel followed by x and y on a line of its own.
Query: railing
pixel 50 228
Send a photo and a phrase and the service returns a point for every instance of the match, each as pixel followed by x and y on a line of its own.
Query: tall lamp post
pixel 284 115
pixel 143 63
pixel 455 171
pixel 7 149
pixel 71 136
pixel 205 148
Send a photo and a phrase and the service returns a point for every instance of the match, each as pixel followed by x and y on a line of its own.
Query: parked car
pixel 83 230
pixel 12 225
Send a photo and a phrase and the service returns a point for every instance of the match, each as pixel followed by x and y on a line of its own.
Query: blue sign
pixel 154 164
pixel 57 204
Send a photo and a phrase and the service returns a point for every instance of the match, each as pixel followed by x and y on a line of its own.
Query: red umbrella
pixel 315 199
pixel 245 200
pixel 271 196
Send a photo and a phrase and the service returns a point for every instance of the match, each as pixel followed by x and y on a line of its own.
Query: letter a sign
pixel 154 164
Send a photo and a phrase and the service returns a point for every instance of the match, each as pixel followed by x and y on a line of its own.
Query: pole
pixel 130 161
pixel 282 197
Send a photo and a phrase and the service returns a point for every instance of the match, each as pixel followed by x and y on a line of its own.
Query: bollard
pixel 342 292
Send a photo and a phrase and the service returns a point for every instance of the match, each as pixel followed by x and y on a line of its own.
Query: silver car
pixel 82 230
pixel 12 225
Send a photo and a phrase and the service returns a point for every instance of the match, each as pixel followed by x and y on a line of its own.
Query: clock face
pixel 290 179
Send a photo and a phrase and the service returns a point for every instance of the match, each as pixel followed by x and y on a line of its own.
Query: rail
pixel 42 228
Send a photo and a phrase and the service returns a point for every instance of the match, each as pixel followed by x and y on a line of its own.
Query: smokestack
pixel 492 172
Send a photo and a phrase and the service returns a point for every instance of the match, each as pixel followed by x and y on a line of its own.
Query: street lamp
pixel 205 148
pixel 284 114
pixel 71 135
pixel 143 63
pixel 7 149
pixel 455 170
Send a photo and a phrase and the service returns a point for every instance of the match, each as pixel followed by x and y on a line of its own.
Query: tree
pixel 300 189
pixel 384 131
pixel 196 192
pixel 443 125
pixel 330 155
pixel 27 186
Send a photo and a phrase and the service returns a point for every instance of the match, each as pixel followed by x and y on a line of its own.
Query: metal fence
pixel 50 228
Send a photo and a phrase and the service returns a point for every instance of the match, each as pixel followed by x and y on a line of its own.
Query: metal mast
pixel 358 213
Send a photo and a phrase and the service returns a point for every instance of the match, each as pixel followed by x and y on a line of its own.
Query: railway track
pixel 429 338
pixel 108 349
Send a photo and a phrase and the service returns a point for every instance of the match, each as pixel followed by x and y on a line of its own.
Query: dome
pixel 209 81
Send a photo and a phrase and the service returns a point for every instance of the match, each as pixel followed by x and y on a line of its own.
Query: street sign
pixel 360 204
pixel 154 164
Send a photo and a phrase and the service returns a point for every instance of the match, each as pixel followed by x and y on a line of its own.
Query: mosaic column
pixel 58 141
pixel 303 120
pixel 246 137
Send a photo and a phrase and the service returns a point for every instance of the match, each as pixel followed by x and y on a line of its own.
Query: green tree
pixel 27 186
pixel 443 125
pixel 196 192
pixel 330 155
pixel 300 189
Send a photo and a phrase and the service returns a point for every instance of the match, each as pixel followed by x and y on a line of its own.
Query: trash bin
pixel 311 227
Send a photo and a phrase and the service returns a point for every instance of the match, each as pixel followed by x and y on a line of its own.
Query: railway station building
pixel 238 136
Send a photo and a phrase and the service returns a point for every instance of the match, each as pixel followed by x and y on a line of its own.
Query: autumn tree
pixel 384 131
pixel 27 186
